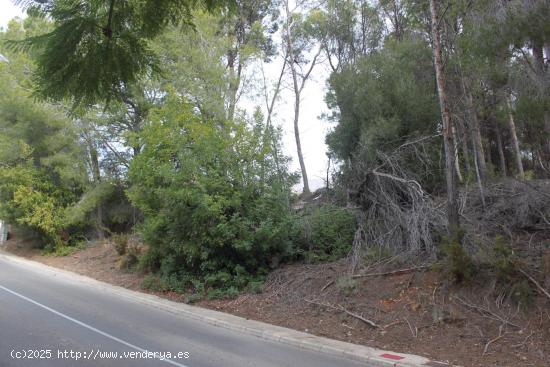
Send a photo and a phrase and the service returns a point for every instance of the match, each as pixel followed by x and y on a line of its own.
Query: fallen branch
pixel 395 272
pixel 392 324
pixel 327 285
pixel 524 341
pixel 500 335
pixel 359 317
pixel 415 332
pixel 341 308
pixel 487 313
pixel 540 287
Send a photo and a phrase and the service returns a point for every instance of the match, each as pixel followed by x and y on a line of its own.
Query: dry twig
pixel 524 341
pixel 415 332
pixel 341 308
pixel 540 287
pixel 327 285
pixel 500 335
pixel 392 324
pixel 389 273
pixel 486 312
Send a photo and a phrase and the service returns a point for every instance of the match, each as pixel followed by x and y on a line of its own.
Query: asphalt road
pixel 56 320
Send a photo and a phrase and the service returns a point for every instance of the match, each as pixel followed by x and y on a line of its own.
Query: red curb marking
pixel 392 356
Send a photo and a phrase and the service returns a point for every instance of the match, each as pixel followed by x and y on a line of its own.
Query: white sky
pixel 312 130
pixel 7 12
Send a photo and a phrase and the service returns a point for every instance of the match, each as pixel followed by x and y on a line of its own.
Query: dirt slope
pixel 414 312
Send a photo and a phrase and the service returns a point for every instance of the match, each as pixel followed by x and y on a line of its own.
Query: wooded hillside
pixel 131 120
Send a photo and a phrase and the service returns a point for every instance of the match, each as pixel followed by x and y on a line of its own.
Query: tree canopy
pixel 116 32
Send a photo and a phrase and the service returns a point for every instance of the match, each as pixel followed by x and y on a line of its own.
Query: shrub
pixel 255 287
pixel 328 232
pixel 149 261
pixel 347 286
pixel 457 263
pixel 120 241
pixel 220 293
pixel 128 261
pixel 521 293
pixel 193 298
pixel 62 250
pixel 504 262
pixel 215 208
pixel 505 266
pixel 154 283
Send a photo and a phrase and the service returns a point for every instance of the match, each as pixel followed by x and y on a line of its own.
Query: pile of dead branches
pixel 507 206
pixel 395 211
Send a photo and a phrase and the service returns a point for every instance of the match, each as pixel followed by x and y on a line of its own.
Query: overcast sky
pixel 312 130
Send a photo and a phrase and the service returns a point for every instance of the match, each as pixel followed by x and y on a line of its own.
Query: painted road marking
pixel 392 356
pixel 89 327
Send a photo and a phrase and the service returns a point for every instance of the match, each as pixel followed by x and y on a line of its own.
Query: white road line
pixel 89 327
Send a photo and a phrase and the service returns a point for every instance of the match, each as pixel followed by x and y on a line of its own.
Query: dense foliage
pixel 160 119
pixel 213 199
pixel 382 101
pixel 115 32
pixel 42 172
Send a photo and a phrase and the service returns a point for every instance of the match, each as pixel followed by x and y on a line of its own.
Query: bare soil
pixel 415 312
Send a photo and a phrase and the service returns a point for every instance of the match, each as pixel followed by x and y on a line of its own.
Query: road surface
pixel 63 322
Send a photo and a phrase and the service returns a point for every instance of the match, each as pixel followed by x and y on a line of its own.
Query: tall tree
pixel 514 137
pixel 448 140
pixel 298 43
pixel 115 32
pixel 248 29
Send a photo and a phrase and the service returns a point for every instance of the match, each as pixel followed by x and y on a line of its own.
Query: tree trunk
pixel 538 56
pixel 398 28
pixel 479 180
pixel 465 151
pixel 328 172
pixel 234 82
pixel 500 147
pixel 96 174
pixel 297 95
pixel 299 143
pixel 476 132
pixel 515 143
pixel 449 144
pixel 457 159
pixel 270 105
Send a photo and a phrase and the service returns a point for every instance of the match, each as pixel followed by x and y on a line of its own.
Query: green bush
pixel 193 298
pixel 62 250
pixel 218 293
pixel 504 261
pixel 149 261
pixel 457 263
pixel 505 265
pixel 347 286
pixel 215 207
pixel 328 232
pixel 154 283
pixel 522 294
pixel 255 287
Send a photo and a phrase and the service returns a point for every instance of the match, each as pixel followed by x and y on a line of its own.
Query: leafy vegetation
pixel 327 232
pixel 457 263
pixel 212 198
pixel 158 117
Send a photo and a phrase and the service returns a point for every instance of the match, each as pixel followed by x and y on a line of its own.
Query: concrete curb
pixel 370 356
